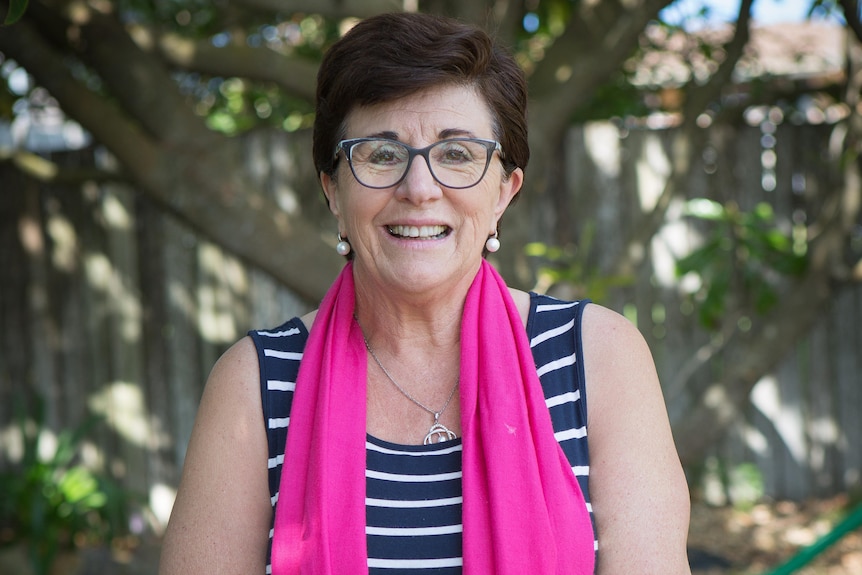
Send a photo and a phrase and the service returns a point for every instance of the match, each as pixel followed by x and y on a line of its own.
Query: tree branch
pixel 145 90
pixel 598 57
pixel 697 96
pixel 851 16
pixel 202 181
pixel 104 121
pixel 292 74
pixel 330 8
pixel 689 144
pixel 798 311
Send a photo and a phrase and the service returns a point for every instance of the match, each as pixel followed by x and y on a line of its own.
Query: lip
pixel 417 231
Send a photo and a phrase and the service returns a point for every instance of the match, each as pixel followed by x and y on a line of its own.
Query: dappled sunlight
pixel 64 240
pixel 287 198
pixel 602 144
pixel 653 170
pixel 766 398
pixel 755 440
pixel 116 214
pixel 12 442
pixel 757 539
pixel 105 278
pixel 181 300
pixel 123 406
pixel 47 445
pixel 217 314
pixel 673 242
pixel 161 503
pixel 30 235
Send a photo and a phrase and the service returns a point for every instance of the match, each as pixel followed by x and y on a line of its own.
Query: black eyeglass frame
pixel 346 146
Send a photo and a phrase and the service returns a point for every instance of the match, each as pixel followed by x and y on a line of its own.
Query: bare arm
pixel 221 518
pixel 639 493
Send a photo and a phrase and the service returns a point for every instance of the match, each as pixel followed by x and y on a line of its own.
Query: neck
pixel 398 321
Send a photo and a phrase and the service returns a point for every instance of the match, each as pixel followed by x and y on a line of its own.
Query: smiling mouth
pixel 419 232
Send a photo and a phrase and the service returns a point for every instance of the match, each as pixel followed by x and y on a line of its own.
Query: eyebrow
pixel 443 135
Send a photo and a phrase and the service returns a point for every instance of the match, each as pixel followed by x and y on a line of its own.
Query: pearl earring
pixel 342 247
pixel 493 243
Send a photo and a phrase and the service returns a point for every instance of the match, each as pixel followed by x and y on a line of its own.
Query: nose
pixel 418 185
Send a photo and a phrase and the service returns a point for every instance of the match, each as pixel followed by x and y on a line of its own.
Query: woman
pixel 427 418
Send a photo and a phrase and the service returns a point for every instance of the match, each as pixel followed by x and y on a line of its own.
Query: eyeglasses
pixel 454 163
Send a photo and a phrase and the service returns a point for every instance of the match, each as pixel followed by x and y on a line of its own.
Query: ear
pixel 508 190
pixel 330 190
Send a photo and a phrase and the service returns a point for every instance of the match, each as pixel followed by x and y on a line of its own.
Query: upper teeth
pixel 417 231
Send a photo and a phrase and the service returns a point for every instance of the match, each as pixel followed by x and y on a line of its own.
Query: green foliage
pixel 720 483
pixel 50 502
pixel 618 98
pixel 235 105
pixel 16 10
pixel 570 266
pixel 744 254
pixel 745 485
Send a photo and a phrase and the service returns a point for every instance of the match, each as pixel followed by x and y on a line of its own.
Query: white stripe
pixel 555 306
pixel 380 449
pixel 274 462
pixel 556 364
pixel 414 531
pixel 569 397
pixel 276 385
pixel 581 470
pixel 412 478
pixel 282 354
pixel 576 433
pixel 274 499
pixel 278 422
pixel 414 563
pixel 552 333
pixel 269 570
pixel 291 331
pixel 399 504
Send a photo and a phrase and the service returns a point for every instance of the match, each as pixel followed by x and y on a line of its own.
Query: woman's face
pixel 453 224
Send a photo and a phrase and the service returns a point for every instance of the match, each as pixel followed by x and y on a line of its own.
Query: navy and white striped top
pixel 413 492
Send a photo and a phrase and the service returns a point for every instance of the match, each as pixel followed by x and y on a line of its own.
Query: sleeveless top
pixel 413 492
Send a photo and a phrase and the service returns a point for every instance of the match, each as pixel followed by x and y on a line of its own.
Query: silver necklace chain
pixel 438 431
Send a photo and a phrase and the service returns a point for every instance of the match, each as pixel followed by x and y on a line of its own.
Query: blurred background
pixel 695 166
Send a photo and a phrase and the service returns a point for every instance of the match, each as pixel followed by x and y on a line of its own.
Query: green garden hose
pixel 806 554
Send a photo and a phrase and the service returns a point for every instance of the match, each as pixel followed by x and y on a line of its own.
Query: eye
pixel 454 153
pixel 381 153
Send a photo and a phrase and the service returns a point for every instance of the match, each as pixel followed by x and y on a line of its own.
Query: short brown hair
pixel 387 57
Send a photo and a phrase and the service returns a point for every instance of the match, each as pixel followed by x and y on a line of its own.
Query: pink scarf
pixel 523 510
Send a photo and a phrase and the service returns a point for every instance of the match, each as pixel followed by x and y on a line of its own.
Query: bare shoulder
pixel 617 359
pixel 621 377
pixel 610 333
pixel 522 302
pixel 220 520
pixel 237 373
pixel 308 320
pixel 637 485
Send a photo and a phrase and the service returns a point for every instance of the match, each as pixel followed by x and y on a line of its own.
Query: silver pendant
pixel 438 434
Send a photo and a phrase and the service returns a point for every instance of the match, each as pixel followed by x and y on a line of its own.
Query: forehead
pixel 425 116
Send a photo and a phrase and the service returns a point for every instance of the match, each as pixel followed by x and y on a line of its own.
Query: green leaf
pixel 536 249
pixel 705 209
pixel 702 258
pixel 16 10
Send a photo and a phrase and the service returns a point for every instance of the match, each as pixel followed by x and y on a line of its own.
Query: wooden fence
pixel 800 434
pixel 110 306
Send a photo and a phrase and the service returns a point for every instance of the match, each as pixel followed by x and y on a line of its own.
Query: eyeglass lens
pixel 456 163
